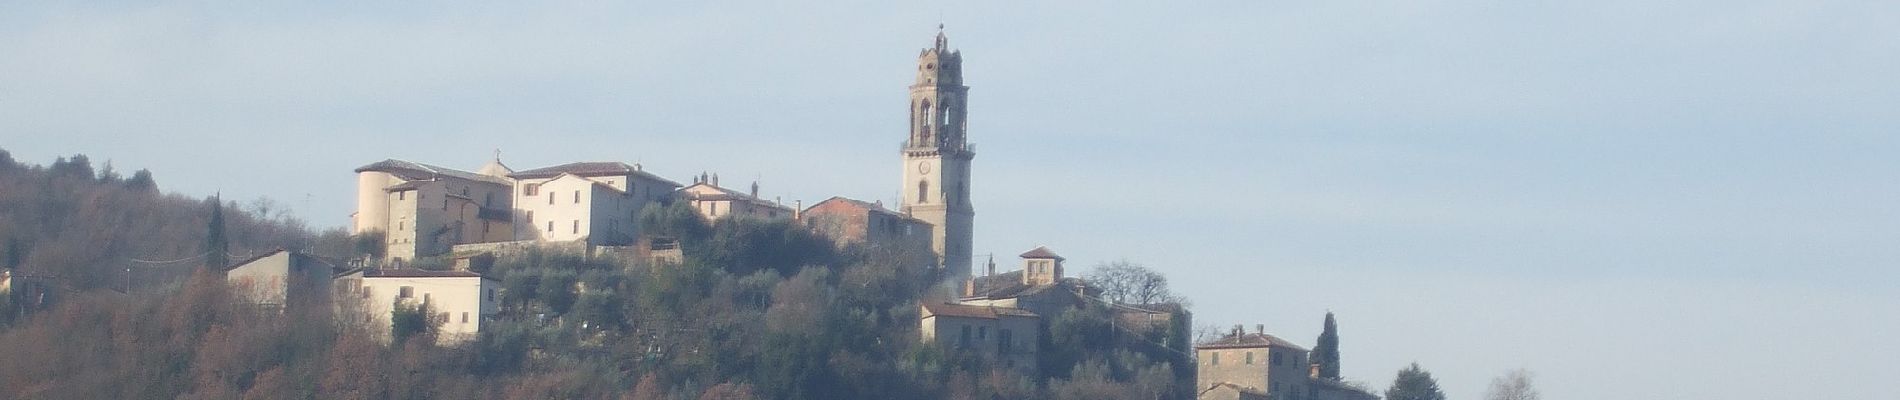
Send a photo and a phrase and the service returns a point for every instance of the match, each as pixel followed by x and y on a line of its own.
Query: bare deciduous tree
pixel 1126 282
pixel 1514 385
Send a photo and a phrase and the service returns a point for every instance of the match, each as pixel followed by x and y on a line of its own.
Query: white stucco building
pixel 283 279
pixel 596 202
pixel 714 202
pixel 460 299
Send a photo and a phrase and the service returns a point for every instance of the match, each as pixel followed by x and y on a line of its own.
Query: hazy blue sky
pixel 1635 200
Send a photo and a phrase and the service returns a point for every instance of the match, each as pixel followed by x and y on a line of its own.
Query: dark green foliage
pixel 217 245
pixel 1326 350
pixel 141 182
pixel 1414 383
pixel 412 319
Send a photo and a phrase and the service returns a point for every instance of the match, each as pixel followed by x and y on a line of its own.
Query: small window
pixel 425 298
pixel 550 226
pixel 404 195
pixel 530 216
pixel 406 292
pixel 577 197
pixel 401 225
pixel 531 189
pixel 1276 359
pixel 445 204
pixel 982 333
pixel 577 226
pixel 464 317
pixel 551 197
pixel 491 294
pixel 964 340
pixel 1214 359
pixel 1249 360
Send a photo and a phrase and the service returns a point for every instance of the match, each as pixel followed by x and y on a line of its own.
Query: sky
pixel 1632 199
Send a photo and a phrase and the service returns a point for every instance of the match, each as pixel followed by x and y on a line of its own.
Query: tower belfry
pixel 937 154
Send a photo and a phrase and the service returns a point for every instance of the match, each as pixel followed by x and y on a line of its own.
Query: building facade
pixel 1008 334
pixel 1254 362
pixel 460 299
pixel 283 279
pixel 937 154
pixel 425 210
pixel 595 202
pixel 714 202
pixel 850 221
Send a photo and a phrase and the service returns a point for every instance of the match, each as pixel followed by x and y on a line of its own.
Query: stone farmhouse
pixel 1243 365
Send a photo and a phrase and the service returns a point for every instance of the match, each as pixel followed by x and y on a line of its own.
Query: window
pixel 964 340
pixel 577 226
pixel 464 317
pixel 425 300
pixel 400 225
pixel 1249 358
pixel 445 204
pixel 530 189
pixel 488 200
pixel 1276 359
pixel 404 195
pixel 923 191
pixel 982 333
pixel 577 197
pixel 491 294
pixel 464 191
pixel 530 216
pixel 551 197
pixel 1003 341
pixel 1214 359
pixel 550 226
pixel 406 292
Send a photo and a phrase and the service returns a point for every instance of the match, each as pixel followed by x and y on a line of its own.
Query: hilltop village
pixel 433 239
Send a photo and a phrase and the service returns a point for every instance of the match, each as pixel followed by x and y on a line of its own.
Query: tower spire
pixel 943 42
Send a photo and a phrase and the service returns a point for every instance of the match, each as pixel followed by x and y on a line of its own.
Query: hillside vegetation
pixel 758 310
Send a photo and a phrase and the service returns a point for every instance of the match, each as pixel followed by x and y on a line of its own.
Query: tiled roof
pixel 417 273
pixel 410 170
pixel 1041 252
pixel 1246 340
pixel 969 311
pixel 867 206
pixel 409 185
pixel 589 169
pixel 731 195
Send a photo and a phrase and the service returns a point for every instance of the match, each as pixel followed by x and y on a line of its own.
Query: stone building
pixel 462 300
pixel 284 279
pixel 425 210
pixel 1039 286
pixel 1006 333
pixel 850 221
pixel 714 202
pixel 597 203
pixel 937 154
pixel 1255 361
pixel 1246 366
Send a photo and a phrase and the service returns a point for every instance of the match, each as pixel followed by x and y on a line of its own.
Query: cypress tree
pixel 1326 352
pixel 1413 383
pixel 217 246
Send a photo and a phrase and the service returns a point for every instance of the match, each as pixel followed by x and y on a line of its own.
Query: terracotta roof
pixel 867 206
pixel 409 170
pixel 1247 340
pixel 969 311
pixel 614 168
pixel 729 194
pixel 1041 252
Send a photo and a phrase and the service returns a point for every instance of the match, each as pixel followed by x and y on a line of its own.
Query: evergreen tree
pixel 217 246
pixel 1326 352
pixel 1414 383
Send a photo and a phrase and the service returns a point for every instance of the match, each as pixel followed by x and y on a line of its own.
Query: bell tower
pixel 937 155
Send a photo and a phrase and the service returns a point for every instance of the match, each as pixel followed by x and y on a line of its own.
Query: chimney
pixel 755 189
pixel 715 179
pixel 1238 330
pixel 991 270
pixel 1260 328
pixel 798 209
pixel 969 288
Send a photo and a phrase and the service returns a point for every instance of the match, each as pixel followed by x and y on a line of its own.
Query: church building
pixel 936 186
